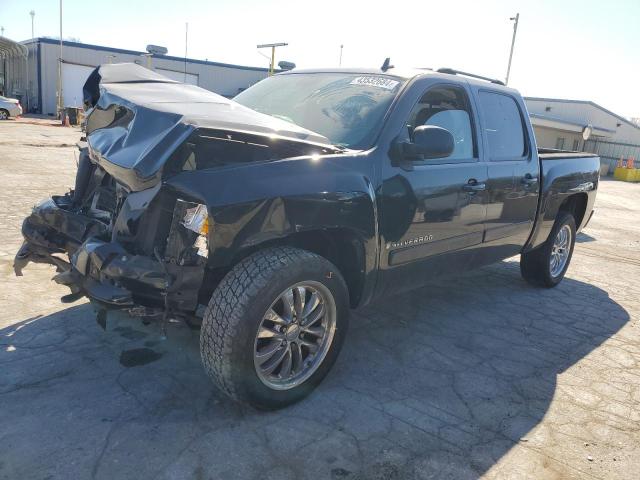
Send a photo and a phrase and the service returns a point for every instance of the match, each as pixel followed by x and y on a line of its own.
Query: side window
pixel 447 107
pixel 503 126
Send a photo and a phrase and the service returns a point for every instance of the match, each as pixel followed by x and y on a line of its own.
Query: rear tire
pixel 546 265
pixel 4 114
pixel 246 317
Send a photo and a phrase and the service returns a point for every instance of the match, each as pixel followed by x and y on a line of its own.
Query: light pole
pixel 273 53
pixel 28 102
pixel 186 41
pixel 513 42
pixel 340 61
pixel 60 102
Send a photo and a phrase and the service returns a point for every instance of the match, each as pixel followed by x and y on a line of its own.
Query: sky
pixel 577 49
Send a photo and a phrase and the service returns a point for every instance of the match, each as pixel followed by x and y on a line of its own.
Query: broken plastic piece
pixel 197 220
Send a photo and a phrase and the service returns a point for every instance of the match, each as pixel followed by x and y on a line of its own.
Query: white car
pixel 9 107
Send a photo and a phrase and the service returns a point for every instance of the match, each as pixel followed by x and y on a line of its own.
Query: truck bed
pixel 554 154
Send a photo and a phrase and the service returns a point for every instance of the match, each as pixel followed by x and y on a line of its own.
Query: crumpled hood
pixel 138 118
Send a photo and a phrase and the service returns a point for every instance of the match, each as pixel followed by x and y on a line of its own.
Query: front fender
pixel 250 204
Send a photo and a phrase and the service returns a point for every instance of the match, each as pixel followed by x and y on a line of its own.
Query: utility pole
pixel 340 61
pixel 26 90
pixel 60 102
pixel 148 55
pixel 1 31
pixel 273 53
pixel 186 39
pixel 513 42
pixel 33 14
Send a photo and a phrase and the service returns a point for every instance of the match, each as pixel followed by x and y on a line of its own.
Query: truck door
pixel 432 211
pixel 513 168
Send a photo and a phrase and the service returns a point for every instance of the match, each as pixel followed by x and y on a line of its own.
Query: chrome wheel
pixel 295 335
pixel 560 251
pixel 3 115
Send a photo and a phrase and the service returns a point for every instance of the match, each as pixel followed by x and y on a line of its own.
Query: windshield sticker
pixel 379 82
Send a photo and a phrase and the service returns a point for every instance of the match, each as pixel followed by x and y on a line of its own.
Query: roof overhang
pixel 11 49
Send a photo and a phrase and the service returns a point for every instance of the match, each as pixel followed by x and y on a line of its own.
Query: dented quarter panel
pixel 563 177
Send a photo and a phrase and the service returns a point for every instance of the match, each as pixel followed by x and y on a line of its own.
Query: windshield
pixel 346 108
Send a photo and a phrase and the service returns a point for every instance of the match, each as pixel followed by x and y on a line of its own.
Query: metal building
pixel 559 123
pixel 37 86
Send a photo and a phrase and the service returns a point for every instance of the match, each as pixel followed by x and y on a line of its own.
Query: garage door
pixel 179 76
pixel 73 78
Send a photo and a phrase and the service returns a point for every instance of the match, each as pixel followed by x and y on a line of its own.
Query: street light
pixel 28 102
pixel 33 14
pixel 273 53
pixel 513 42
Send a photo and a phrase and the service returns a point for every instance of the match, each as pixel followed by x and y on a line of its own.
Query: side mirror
pixel 429 141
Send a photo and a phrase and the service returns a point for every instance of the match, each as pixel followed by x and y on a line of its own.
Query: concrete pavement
pixel 478 376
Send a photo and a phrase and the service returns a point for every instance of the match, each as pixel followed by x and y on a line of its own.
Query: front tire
pixel 546 265
pixel 274 327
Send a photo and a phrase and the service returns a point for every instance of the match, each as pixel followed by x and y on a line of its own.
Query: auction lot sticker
pixel 379 82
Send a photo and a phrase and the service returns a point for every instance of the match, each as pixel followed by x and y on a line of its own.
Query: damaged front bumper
pixel 101 270
pixel 104 271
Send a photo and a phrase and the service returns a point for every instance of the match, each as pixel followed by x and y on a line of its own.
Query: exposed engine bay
pixel 123 236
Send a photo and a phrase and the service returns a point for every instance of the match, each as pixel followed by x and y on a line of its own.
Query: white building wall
pixel 585 113
pixel 548 138
pixel 221 79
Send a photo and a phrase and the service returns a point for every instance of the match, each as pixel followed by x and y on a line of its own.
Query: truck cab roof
pixel 409 74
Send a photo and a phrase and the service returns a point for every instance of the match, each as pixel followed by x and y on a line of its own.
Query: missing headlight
pixel 196 219
pixel 188 235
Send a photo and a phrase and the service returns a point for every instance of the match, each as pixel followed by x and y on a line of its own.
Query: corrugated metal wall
pixel 224 80
pixel 612 152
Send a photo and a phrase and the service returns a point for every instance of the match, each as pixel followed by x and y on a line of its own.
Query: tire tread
pixel 223 317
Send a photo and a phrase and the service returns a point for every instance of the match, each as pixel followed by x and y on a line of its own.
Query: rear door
pixel 513 172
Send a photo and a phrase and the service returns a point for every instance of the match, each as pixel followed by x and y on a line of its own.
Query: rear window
pixel 503 126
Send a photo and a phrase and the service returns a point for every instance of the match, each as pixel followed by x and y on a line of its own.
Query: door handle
pixel 472 186
pixel 529 180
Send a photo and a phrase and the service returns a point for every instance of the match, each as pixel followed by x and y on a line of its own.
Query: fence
pixel 610 152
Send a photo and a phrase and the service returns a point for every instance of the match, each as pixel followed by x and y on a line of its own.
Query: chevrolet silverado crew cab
pixel 267 217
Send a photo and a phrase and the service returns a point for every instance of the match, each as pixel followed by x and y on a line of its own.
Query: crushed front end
pixel 124 236
pixel 144 250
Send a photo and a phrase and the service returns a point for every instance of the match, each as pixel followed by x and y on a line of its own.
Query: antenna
pixel 386 65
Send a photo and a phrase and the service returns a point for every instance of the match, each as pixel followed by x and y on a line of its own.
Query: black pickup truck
pixel 267 217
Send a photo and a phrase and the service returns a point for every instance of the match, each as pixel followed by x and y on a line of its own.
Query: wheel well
pixel 576 205
pixel 340 246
